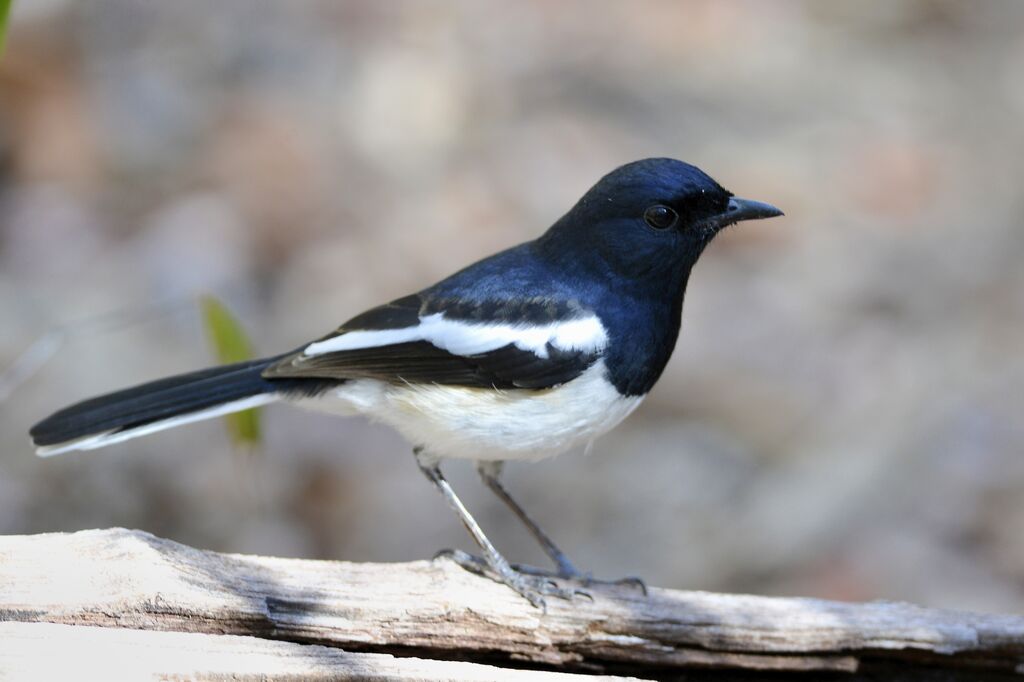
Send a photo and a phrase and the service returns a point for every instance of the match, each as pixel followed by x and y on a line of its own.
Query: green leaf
pixel 5 13
pixel 231 344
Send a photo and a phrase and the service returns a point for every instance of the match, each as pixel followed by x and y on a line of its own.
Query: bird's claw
pixel 587 579
pixel 568 572
pixel 633 580
pixel 531 583
pixel 535 588
pixel 470 562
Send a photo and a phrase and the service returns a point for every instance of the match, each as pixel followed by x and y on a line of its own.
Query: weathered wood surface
pixel 165 608
pixel 45 651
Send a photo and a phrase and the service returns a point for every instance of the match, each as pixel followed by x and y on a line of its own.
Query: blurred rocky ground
pixel 842 417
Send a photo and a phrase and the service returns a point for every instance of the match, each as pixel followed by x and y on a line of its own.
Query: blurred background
pixel 843 414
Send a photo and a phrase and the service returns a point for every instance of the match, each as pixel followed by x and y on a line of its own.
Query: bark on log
pixel 148 606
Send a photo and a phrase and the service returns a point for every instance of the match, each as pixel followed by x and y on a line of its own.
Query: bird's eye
pixel 660 217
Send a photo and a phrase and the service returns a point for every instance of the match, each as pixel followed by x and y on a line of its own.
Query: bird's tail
pixel 162 404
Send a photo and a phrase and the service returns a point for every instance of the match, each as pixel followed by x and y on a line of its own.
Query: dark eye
pixel 660 217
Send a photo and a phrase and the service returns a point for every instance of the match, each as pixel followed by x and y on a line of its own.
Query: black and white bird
pixel 520 356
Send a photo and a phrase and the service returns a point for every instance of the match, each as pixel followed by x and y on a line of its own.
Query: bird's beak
pixel 743 209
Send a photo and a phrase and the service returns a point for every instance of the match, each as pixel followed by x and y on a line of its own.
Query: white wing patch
pixel 458 337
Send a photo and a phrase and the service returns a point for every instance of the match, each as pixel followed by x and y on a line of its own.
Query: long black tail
pixel 163 404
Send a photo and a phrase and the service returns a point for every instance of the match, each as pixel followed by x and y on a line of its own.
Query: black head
pixel 648 220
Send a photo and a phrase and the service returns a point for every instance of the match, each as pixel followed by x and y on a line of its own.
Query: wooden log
pixel 202 614
pixel 45 651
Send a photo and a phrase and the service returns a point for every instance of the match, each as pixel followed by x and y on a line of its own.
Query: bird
pixel 520 356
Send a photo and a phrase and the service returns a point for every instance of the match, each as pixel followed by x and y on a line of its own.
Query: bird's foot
pixel 531 583
pixel 628 581
pixel 566 571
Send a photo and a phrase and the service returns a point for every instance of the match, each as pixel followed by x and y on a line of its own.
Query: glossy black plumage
pixel 422 362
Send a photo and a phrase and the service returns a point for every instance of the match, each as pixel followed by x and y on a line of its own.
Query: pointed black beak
pixel 743 209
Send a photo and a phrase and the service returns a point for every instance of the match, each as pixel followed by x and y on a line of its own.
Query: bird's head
pixel 649 220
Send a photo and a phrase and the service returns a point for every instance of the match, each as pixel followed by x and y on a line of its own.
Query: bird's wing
pixel 533 344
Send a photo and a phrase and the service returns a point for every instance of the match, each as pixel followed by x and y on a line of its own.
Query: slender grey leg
pixel 489 472
pixel 530 587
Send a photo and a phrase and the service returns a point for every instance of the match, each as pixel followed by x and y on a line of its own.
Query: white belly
pixel 488 424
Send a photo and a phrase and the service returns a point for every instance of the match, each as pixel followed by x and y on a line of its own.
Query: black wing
pixel 409 359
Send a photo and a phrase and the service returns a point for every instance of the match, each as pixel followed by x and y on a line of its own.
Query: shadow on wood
pixel 141 605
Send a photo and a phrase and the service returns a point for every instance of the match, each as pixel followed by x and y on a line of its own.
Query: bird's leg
pixel 489 472
pixel 530 587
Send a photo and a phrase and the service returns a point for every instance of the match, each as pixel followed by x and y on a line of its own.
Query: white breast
pixel 488 424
